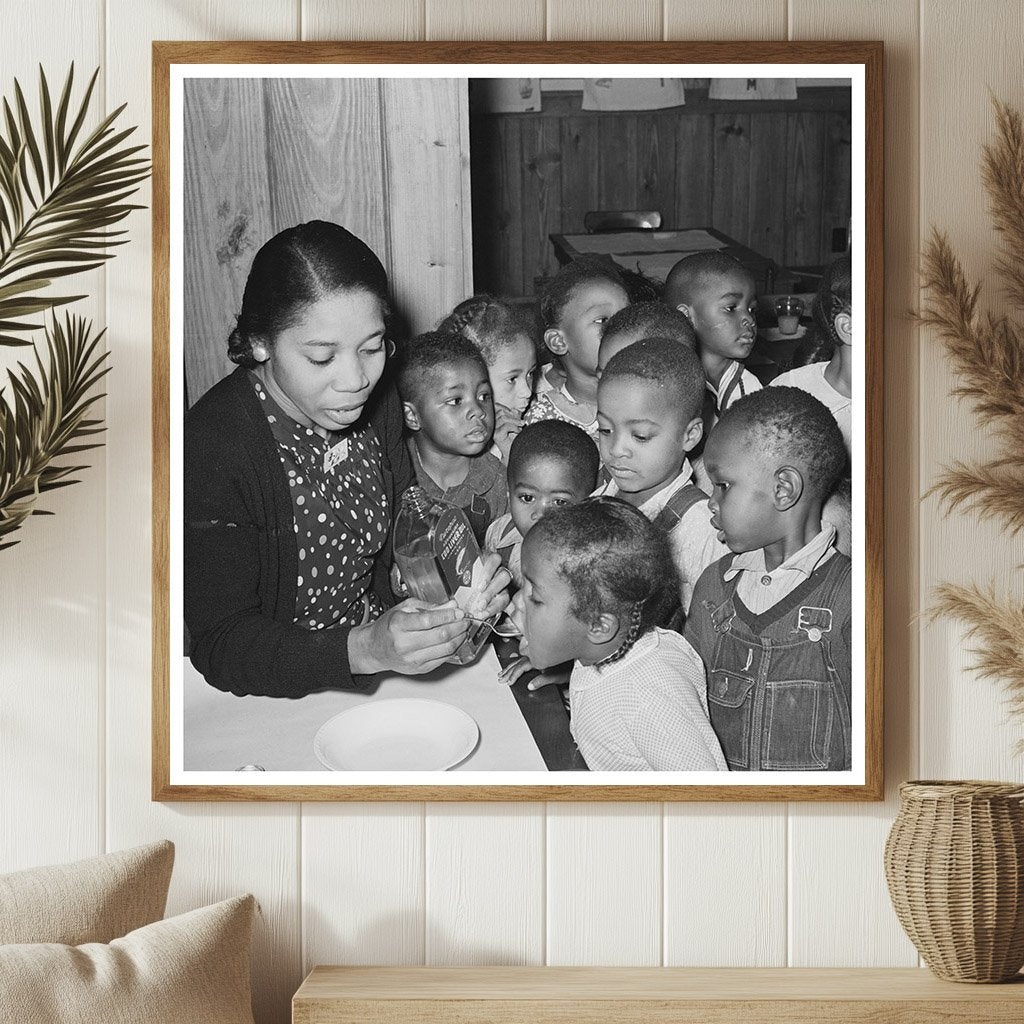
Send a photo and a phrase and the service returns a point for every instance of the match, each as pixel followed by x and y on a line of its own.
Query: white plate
pixel 404 734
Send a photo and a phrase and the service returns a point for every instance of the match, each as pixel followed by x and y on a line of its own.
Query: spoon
pixel 498 632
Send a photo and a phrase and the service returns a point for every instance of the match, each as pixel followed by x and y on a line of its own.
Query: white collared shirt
pixel 760 589
pixel 746 385
pixel 647 712
pixel 694 541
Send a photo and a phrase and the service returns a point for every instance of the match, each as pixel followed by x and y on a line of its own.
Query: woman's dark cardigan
pixel 241 555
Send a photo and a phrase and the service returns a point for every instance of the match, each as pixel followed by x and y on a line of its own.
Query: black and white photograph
pixel 519 429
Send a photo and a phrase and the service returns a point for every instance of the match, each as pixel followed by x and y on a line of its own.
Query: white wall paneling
pixel 604 884
pixel 382 19
pixel 604 19
pixel 485 19
pixel 485 887
pixel 363 893
pixel 725 885
pixel 510 883
pixel 725 19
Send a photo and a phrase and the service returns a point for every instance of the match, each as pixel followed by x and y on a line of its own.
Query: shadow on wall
pixel 396 939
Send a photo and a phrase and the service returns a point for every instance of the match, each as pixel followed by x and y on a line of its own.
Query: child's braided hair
pixel 615 561
pixel 488 323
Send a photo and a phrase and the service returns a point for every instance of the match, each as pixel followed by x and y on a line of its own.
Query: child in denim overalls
pixel 772 622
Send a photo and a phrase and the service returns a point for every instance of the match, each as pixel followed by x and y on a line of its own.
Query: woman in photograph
pixel 293 467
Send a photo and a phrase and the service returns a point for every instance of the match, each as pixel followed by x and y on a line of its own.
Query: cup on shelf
pixel 789 309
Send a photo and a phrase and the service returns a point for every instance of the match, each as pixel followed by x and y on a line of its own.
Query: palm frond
pixel 62 190
pixel 45 418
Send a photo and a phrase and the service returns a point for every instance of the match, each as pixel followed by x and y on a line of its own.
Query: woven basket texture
pixel 954 862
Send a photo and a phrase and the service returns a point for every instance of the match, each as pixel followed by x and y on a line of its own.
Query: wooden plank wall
pixel 414 883
pixel 774 176
pixel 261 156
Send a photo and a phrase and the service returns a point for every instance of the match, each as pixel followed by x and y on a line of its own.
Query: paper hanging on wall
pixel 752 89
pixel 509 95
pixel 632 93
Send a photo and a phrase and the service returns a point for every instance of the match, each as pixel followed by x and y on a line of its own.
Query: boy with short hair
pixel 649 417
pixel 449 413
pixel 772 622
pixel 716 292
pixel 643 320
pixel 551 464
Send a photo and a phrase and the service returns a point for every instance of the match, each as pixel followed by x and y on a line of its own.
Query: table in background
pixel 610 995
pixel 773 352
pixel 654 253
pixel 520 730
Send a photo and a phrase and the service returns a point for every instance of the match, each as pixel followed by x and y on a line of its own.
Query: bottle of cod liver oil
pixel 438 557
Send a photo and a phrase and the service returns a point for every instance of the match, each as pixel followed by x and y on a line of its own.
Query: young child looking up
pixel 550 465
pixel 717 293
pixel 448 411
pixel 597 578
pixel 649 417
pixel 643 320
pixel 504 339
pixel 831 382
pixel 772 622
pixel 580 298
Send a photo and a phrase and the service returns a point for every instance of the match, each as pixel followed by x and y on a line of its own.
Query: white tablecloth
pixel 222 732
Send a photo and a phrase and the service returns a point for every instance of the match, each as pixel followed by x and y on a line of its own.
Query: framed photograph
pixel 682 245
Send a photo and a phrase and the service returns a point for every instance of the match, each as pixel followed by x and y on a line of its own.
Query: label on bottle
pixel 458 559
pixel 455 549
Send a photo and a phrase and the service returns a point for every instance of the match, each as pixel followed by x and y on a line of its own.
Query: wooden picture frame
pixel 242 216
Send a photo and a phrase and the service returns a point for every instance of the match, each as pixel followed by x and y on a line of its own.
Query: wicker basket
pixel 954 861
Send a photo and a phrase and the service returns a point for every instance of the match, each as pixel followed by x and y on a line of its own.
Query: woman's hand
pixel 412 638
pixel 494 598
pixel 507 424
pixel 415 638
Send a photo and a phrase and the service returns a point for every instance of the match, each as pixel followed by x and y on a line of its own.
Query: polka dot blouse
pixel 340 513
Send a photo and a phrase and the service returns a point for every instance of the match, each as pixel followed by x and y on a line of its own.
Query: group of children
pixel 704 606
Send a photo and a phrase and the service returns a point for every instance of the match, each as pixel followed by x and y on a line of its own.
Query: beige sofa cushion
pixel 92 900
pixel 190 969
